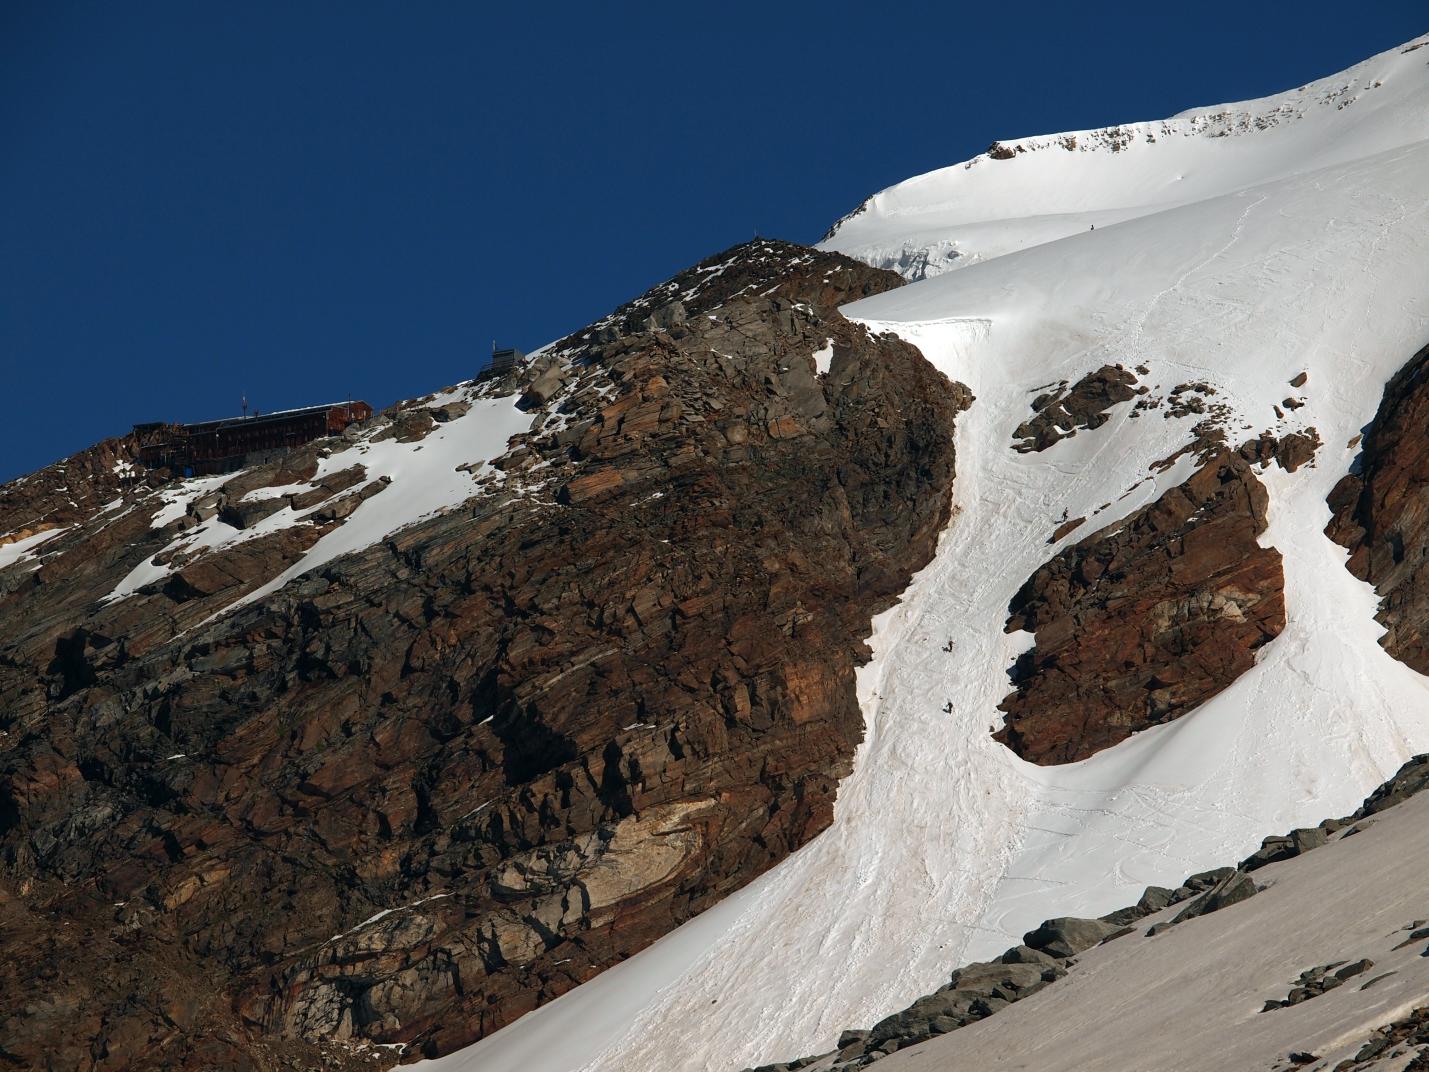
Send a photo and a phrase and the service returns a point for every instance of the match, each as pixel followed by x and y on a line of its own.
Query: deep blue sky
pixel 298 200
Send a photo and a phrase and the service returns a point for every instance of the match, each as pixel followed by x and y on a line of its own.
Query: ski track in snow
pixel 946 847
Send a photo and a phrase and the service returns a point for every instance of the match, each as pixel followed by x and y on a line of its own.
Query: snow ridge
pixel 1027 191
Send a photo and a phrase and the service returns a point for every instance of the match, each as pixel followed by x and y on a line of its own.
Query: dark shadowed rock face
pixel 438 782
pixel 1381 513
pixel 1148 618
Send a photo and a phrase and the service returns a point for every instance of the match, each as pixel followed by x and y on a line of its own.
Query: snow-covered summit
pixel 1023 192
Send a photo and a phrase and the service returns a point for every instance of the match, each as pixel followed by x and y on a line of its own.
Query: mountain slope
pixel 360 754
pixel 389 741
pixel 1293 271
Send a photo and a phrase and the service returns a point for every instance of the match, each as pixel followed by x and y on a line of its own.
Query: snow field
pixel 424 478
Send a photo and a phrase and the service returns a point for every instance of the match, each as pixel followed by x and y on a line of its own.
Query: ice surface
pixel 1292 243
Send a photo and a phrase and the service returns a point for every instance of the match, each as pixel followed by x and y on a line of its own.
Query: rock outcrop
pixel 1409 1032
pixel 1144 620
pixel 1381 514
pixel 1313 982
pixel 1060 412
pixel 1289 451
pixel 430 785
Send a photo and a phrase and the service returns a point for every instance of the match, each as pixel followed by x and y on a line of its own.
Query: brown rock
pixel 591 485
pixel 1289 451
pixel 1060 413
pixel 1146 619
pixel 436 783
pixel 1380 513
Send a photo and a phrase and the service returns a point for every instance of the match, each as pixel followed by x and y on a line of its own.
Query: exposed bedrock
pixel 438 782
pixel 1144 620
pixel 1059 413
pixel 1381 513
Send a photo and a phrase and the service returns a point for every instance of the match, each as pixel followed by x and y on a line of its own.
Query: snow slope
pixel 1063 184
pixel 427 477
pixel 1285 246
pixel 1125 1006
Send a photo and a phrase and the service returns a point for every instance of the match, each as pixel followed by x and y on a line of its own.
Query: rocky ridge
pixel 431 784
pixel 1390 1042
